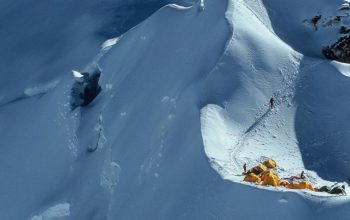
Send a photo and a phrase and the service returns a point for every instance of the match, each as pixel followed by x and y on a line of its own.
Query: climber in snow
pixel 85 88
pixel 272 103
pixel 245 168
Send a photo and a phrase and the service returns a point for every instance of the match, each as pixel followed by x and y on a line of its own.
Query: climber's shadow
pixel 257 122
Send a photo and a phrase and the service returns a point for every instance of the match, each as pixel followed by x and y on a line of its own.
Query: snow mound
pixel 178 7
pixel 55 212
pixel 41 89
pixel 343 68
pixel 77 74
pixel 109 43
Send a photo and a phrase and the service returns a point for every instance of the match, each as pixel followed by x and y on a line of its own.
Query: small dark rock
pixel 339 51
pixel 333 22
pixel 344 30
pixel 313 21
pixel 324 189
pixel 337 18
pixel 338 190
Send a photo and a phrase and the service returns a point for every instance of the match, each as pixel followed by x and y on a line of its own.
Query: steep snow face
pixel 320 121
pixel 151 115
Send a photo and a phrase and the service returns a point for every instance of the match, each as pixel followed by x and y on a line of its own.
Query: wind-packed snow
pixel 184 103
pixel 41 89
pixel 54 212
pixel 343 68
pixel 77 74
pixel 176 6
pixel 109 43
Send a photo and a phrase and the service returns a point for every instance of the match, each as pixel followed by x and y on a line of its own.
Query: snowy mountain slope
pixel 158 160
pixel 321 125
pixel 302 131
pixel 136 152
pixel 61 167
pixel 269 68
pixel 41 40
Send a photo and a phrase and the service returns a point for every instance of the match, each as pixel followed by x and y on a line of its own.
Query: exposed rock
pixel 339 51
pixel 333 22
pixel 344 30
pixel 344 6
pixel 86 88
pixel 324 189
pixel 313 21
pixel 338 190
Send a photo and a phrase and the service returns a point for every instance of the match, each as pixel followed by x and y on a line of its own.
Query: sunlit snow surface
pixel 343 68
pixel 246 129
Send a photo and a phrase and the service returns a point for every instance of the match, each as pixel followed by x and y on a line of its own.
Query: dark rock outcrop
pixel 313 21
pixel 339 51
pixel 344 30
pixel 85 90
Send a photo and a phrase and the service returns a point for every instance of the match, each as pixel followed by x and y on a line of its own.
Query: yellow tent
pixel 258 169
pixel 269 177
pixel 301 185
pixel 271 164
pixel 284 183
pixel 266 176
pixel 252 178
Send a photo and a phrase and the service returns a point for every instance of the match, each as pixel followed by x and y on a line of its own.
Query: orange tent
pixel 270 164
pixel 301 185
pixel 252 178
pixel 258 169
pixel 284 183
pixel 269 177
